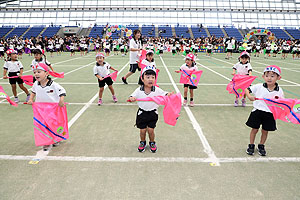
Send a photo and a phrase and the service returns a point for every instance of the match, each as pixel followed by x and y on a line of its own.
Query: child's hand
pixel 157 70
pixel 29 102
pixel 170 93
pixel 101 78
pixel 5 77
pixel 20 75
pixel 177 71
pixel 61 103
pixel 233 73
pixel 251 98
pixel 132 99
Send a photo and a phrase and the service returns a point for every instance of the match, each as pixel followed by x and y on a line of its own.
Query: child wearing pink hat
pixel 243 67
pixel 46 90
pixel 189 65
pixel 101 70
pixel 261 114
pixel 14 68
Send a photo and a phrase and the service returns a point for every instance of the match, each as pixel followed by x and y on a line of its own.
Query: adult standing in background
pixel 134 47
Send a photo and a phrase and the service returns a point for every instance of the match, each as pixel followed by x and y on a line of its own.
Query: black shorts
pixel 268 51
pixel 208 50
pixel 146 119
pixel 196 50
pixel 107 80
pixel 190 86
pixel 72 50
pixel 115 49
pixel 285 51
pixel 229 50
pixel 107 50
pixel 177 49
pixel 173 51
pixel 133 68
pixel 259 117
pixel 249 51
pixel 15 80
pixel 187 51
pixel 122 50
pixel 1 53
pixel 161 51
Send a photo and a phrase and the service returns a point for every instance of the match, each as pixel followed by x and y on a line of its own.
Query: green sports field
pixel 202 157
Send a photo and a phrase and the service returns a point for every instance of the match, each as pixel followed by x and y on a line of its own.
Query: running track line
pixel 207 149
pixel 297 84
pixel 157 159
pixel 53 64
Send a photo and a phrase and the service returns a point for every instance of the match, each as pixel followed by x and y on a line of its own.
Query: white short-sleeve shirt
pixel 147 63
pixel 35 62
pixel 102 70
pixel 185 67
pixel 134 55
pixel 13 66
pixel 50 93
pixel 261 91
pixel 242 69
pixel 148 105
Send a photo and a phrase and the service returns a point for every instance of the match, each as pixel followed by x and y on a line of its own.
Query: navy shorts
pixel 107 80
pixel 146 119
pixel 259 117
pixel 133 68
pixel 190 86
pixel 15 80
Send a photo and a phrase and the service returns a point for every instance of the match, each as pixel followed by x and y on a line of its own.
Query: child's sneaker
pixel 56 144
pixel 192 103
pixel 115 99
pixel 142 146
pixel 16 100
pixel 124 80
pixel 153 147
pixel 261 150
pixel 250 150
pixel 27 98
pixel 46 147
pixel 236 103
pixel 243 102
pixel 100 102
pixel 184 102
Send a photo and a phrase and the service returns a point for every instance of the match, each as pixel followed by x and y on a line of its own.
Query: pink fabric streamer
pixel 190 77
pixel 56 74
pixel 112 75
pixel 28 79
pixel 50 123
pixel 143 55
pixel 287 110
pixel 157 70
pixel 172 107
pixel 239 83
pixel 5 96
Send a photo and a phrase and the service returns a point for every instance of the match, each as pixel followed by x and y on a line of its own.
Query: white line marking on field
pixel 53 64
pixel 207 149
pixel 57 78
pixel 156 159
pixel 297 84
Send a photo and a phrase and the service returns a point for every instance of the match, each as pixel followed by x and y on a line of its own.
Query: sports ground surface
pixel 202 157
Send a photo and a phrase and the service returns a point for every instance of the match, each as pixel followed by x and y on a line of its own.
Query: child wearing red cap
pixel 46 90
pixel 243 67
pixel 261 114
pixel 101 70
pixel 189 65
pixel 14 68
